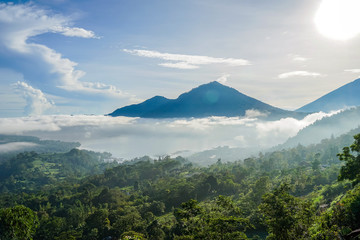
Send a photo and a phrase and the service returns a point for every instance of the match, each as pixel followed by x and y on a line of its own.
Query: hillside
pixel 225 154
pixel 31 171
pixel 170 198
pixel 343 97
pixel 327 127
pixel 212 99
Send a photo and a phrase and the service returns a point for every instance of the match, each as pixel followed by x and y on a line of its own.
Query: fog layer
pixel 132 137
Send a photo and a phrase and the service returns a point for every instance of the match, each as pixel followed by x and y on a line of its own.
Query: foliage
pixel 221 219
pixel 18 222
pixel 351 169
pixel 286 216
pixel 284 194
pixel 29 171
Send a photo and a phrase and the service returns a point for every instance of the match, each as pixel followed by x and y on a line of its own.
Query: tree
pixel 18 222
pixel 220 220
pixel 351 169
pixel 97 224
pixel 286 216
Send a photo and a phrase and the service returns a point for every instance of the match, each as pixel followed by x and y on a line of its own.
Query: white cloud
pixel 182 61
pixel 56 123
pixel 223 79
pixel 299 59
pixel 179 65
pixel 15 146
pixel 253 113
pixel 288 127
pixel 352 70
pixel 20 22
pixel 300 74
pixel 137 136
pixel 36 101
pixel 74 32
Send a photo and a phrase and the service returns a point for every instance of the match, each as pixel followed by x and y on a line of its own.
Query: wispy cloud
pixel 298 58
pixel 36 101
pixel 352 70
pixel 253 113
pixel 179 65
pixel 15 146
pixel 182 61
pixel 20 22
pixel 223 79
pixel 300 74
pixel 74 32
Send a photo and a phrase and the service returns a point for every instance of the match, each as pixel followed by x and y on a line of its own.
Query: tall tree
pixel 351 169
pixel 17 223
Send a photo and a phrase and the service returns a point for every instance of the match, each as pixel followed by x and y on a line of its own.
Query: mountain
pixel 345 96
pixel 212 99
pixel 137 110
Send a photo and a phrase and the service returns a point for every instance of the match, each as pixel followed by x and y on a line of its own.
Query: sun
pixel 338 19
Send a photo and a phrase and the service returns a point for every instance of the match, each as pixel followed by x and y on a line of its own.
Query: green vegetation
pixel 299 193
pixel 30 171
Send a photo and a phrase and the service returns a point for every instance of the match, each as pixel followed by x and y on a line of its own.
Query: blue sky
pixel 91 57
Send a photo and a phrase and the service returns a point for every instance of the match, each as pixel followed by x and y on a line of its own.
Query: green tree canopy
pixel 351 157
pixel 18 222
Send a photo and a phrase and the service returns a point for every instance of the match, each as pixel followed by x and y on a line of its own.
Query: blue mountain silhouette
pixel 212 99
pixel 345 96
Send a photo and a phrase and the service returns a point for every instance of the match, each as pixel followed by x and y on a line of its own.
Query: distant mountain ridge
pixel 211 99
pixel 342 97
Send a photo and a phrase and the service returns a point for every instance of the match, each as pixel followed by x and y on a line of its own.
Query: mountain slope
pixel 212 99
pixel 30 171
pixel 136 110
pixel 345 96
pixel 327 127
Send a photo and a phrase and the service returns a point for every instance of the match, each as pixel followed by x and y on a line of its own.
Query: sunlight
pixel 338 19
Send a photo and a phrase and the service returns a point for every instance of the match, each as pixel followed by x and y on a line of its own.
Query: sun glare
pixel 338 19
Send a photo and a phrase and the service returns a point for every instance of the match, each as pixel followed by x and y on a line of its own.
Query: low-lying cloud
pixel 16 146
pixel 131 137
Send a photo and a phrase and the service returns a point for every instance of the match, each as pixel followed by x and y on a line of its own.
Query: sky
pixel 90 57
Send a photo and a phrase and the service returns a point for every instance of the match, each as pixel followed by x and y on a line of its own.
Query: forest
pixel 303 192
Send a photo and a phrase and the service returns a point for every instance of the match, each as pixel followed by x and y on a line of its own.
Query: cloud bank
pixel 182 61
pixel 132 137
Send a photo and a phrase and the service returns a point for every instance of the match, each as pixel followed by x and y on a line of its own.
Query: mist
pixel 16 146
pixel 128 138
